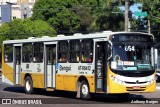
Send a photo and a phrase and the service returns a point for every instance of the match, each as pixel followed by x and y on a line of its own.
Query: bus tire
pixel 84 91
pixel 28 85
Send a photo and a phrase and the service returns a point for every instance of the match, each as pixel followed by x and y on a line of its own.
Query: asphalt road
pixel 67 99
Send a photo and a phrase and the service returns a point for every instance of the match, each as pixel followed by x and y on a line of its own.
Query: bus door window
pixel 51 55
pixel 100 63
pixel 18 55
pixel 100 60
pixel 54 55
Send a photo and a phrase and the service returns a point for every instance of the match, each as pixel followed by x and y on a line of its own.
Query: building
pixel 11 9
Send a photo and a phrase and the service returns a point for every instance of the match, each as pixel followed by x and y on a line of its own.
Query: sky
pixel 133 8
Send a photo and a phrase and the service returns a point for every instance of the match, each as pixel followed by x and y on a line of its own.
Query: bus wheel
pixel 28 85
pixel 84 91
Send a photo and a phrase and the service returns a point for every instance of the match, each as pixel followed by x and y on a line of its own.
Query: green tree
pixel 106 20
pixel 152 7
pixel 101 16
pixel 20 29
pixel 4 29
pixel 72 16
pixel 58 14
pixel 41 28
pixel 17 29
pixel 85 18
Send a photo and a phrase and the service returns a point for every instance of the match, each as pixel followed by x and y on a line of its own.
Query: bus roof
pixel 104 34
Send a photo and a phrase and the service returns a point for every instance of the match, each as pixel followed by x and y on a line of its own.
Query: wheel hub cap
pixel 84 89
pixel 28 87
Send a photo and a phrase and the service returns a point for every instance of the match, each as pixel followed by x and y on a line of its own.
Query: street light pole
pixel 126 14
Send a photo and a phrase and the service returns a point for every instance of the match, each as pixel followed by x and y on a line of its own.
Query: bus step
pixel 49 89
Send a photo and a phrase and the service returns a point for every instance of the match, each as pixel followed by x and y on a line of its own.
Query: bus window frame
pixel 29 55
pixel 53 60
pixel 9 53
pixel 89 51
pixel 33 51
pixel 74 51
pixel 62 52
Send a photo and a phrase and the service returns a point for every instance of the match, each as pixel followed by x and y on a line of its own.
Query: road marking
pixel 158 87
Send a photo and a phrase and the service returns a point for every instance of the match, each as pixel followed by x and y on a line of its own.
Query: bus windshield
pixel 131 57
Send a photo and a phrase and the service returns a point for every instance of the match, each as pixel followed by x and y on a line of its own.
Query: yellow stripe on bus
pixel 37 78
pixel 63 82
pixel 7 71
pixel 69 82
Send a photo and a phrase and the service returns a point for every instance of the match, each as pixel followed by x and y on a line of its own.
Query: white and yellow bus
pixel 105 62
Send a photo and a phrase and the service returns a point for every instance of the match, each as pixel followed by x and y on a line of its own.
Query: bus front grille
pixel 135 89
pixel 135 82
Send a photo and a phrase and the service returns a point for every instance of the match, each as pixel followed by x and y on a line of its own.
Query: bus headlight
pixel 151 81
pixel 116 80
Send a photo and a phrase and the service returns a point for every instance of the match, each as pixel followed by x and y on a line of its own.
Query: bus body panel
pixel 7 70
pixel 69 82
pixel 36 71
pixel 7 73
pixel 37 78
pixel 69 73
pixel 117 84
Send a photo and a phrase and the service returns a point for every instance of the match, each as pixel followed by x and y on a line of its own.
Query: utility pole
pixel 129 26
pixel 149 27
pixel 126 15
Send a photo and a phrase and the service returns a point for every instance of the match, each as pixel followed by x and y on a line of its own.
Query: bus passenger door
pixel 17 64
pixel 101 66
pixel 50 61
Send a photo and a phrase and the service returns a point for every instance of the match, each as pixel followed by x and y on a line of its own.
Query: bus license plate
pixel 136 87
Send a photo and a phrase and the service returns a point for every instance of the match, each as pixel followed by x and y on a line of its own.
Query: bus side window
pixel 90 57
pixel 77 58
pixel 27 52
pixel 8 53
pixel 38 52
pixel 87 51
pixel 83 57
pixel 74 51
pixel 63 51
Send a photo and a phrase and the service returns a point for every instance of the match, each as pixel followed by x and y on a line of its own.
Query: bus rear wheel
pixel 28 85
pixel 84 91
